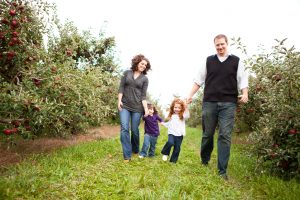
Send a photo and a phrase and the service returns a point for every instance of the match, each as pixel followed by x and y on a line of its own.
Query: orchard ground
pixel 23 148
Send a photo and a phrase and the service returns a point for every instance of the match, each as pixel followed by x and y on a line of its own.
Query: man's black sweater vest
pixel 221 82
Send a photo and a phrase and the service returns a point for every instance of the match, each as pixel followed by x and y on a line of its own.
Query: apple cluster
pixel 17 126
pixel 9 33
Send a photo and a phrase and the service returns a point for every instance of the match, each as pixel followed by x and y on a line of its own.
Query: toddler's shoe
pixel 224 176
pixel 141 156
pixel 164 157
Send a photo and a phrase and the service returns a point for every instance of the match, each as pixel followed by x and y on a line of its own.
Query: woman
pixel 132 104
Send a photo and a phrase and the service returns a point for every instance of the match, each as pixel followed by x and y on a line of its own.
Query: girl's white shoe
pixel 164 157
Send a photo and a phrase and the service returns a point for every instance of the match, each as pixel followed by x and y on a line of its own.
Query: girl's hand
pixel 120 104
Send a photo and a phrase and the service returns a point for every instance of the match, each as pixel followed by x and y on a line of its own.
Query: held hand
pixel 188 100
pixel 120 104
pixel 185 103
pixel 146 113
pixel 243 98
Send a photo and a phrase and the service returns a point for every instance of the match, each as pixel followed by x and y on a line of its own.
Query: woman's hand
pixel 120 104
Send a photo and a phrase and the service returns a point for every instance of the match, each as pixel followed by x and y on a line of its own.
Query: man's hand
pixel 243 98
pixel 188 100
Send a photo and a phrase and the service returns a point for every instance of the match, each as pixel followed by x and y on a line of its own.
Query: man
pixel 222 76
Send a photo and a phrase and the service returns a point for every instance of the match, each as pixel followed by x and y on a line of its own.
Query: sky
pixel 177 35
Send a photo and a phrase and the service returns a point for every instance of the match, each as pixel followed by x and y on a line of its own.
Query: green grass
pixel 95 170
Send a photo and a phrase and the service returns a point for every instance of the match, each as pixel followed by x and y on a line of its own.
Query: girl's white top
pixel 175 125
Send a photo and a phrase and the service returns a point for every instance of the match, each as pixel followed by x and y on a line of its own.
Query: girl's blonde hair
pixel 171 110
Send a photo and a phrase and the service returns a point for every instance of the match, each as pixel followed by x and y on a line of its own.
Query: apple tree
pixel 54 86
pixel 273 111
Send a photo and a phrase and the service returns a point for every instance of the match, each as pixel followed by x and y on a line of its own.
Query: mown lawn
pixel 95 170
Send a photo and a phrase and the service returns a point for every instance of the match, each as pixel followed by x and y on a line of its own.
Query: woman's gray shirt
pixel 134 91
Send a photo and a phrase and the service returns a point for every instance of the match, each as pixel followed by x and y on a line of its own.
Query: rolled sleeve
pixel 199 79
pixel 242 76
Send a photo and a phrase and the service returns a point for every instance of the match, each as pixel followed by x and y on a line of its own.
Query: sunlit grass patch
pixel 96 170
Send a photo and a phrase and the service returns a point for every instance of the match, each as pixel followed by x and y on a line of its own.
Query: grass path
pixel 95 170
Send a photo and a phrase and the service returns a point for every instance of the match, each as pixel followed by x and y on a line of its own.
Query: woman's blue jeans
pixel 149 146
pixel 221 114
pixel 130 122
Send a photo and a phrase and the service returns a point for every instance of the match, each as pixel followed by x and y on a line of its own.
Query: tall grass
pixel 95 170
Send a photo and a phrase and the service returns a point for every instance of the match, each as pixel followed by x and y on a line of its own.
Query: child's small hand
pixel 185 103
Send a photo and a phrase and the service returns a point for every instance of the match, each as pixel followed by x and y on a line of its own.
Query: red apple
pixel 14 130
pixel 250 110
pixel 15 39
pixel 10 55
pixel 4 21
pixel 15 34
pixel 7 131
pixel 2 37
pixel 14 4
pixel 69 52
pixel 292 131
pixel 37 81
pixel 16 123
pixel 14 23
pixel 258 88
pixel 53 69
pixel 12 12
pixel 21 8
pixel 11 44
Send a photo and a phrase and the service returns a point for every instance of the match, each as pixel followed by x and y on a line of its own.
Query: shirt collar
pixel 224 57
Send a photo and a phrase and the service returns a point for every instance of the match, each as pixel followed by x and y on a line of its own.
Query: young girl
pixel 176 129
pixel 151 132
